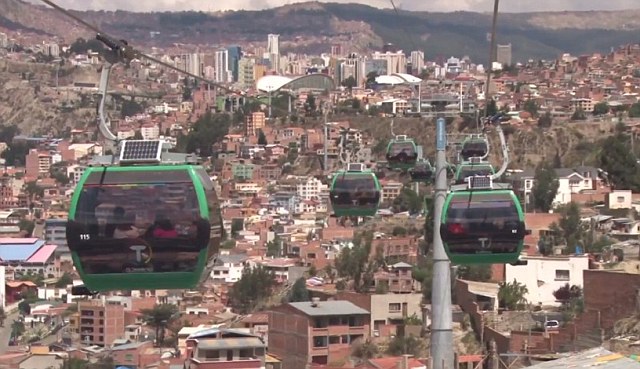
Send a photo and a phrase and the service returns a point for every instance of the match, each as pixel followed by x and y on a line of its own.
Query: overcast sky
pixel 430 5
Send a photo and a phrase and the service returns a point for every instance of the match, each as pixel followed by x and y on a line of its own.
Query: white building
pixel 150 131
pixel 310 189
pixel 544 275
pixel 228 268
pixel 572 181
pixel 221 65
pixel 396 62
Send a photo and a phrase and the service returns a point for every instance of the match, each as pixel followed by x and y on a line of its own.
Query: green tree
pixel 371 79
pixel 237 226
pixel 405 345
pixel 531 107
pixel 254 287
pixel 475 272
pixel 634 110
pixel 74 363
pixel 64 280
pixel 24 307
pixel 621 168
pixel 546 120
pixel 299 291
pixel 423 273
pixel 366 350
pixel 33 190
pixel 545 187
pixel 601 108
pixel 3 316
pixel 262 138
pixel 408 200
pixel 159 318
pixel 349 83
pixel 511 296
pixel 329 273
pixel 354 264
pixel 131 108
pixel 570 227
pixel 274 247
pixel 492 108
pixel 27 226
pixel 579 115
pixel 17 328
pixel 209 129
pixel 310 105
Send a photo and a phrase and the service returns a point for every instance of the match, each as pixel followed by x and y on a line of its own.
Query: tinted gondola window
pixel 402 148
pixel 356 190
pixel 494 219
pixel 474 149
pixel 136 228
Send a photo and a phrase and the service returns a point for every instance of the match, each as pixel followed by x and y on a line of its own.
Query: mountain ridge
pixel 533 35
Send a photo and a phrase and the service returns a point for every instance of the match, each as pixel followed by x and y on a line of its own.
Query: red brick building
pixel 317 332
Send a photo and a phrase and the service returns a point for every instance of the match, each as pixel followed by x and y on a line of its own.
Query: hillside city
pixel 294 287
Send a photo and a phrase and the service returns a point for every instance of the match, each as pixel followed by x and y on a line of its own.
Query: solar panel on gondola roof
pixel 140 150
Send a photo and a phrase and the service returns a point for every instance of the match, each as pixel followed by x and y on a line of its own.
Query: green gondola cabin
pixel 402 153
pixel 144 226
pixel 471 169
pixel 483 227
pixel 475 147
pixel 355 192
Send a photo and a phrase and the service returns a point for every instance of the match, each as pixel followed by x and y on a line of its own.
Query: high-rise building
pixel 273 44
pixel 273 51
pixel 254 123
pixel 396 61
pixel 246 76
pixel 503 54
pixel 235 53
pixel 417 61
pixel 190 63
pixel 221 64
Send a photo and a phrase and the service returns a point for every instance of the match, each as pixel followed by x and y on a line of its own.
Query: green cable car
pixel 474 147
pixel 483 227
pixel 471 169
pixel 402 153
pixel 355 192
pixel 140 225
pixel 422 172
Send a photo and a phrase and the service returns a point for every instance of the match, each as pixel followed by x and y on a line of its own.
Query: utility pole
pixel 326 133
pixel 441 318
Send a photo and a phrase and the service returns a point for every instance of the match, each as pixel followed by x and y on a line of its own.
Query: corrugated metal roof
pixel 600 357
pixel 328 308
pixel 19 251
pixel 230 343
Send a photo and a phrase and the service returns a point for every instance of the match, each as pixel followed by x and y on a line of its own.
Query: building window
pixel 334 340
pixel 620 198
pixel 320 341
pixel 562 275
pixel 394 308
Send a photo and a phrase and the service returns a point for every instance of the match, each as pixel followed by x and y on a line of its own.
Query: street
pixel 5 332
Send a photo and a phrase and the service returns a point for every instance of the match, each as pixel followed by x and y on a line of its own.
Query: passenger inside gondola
pixel 402 152
pixel 175 243
pixel 127 228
